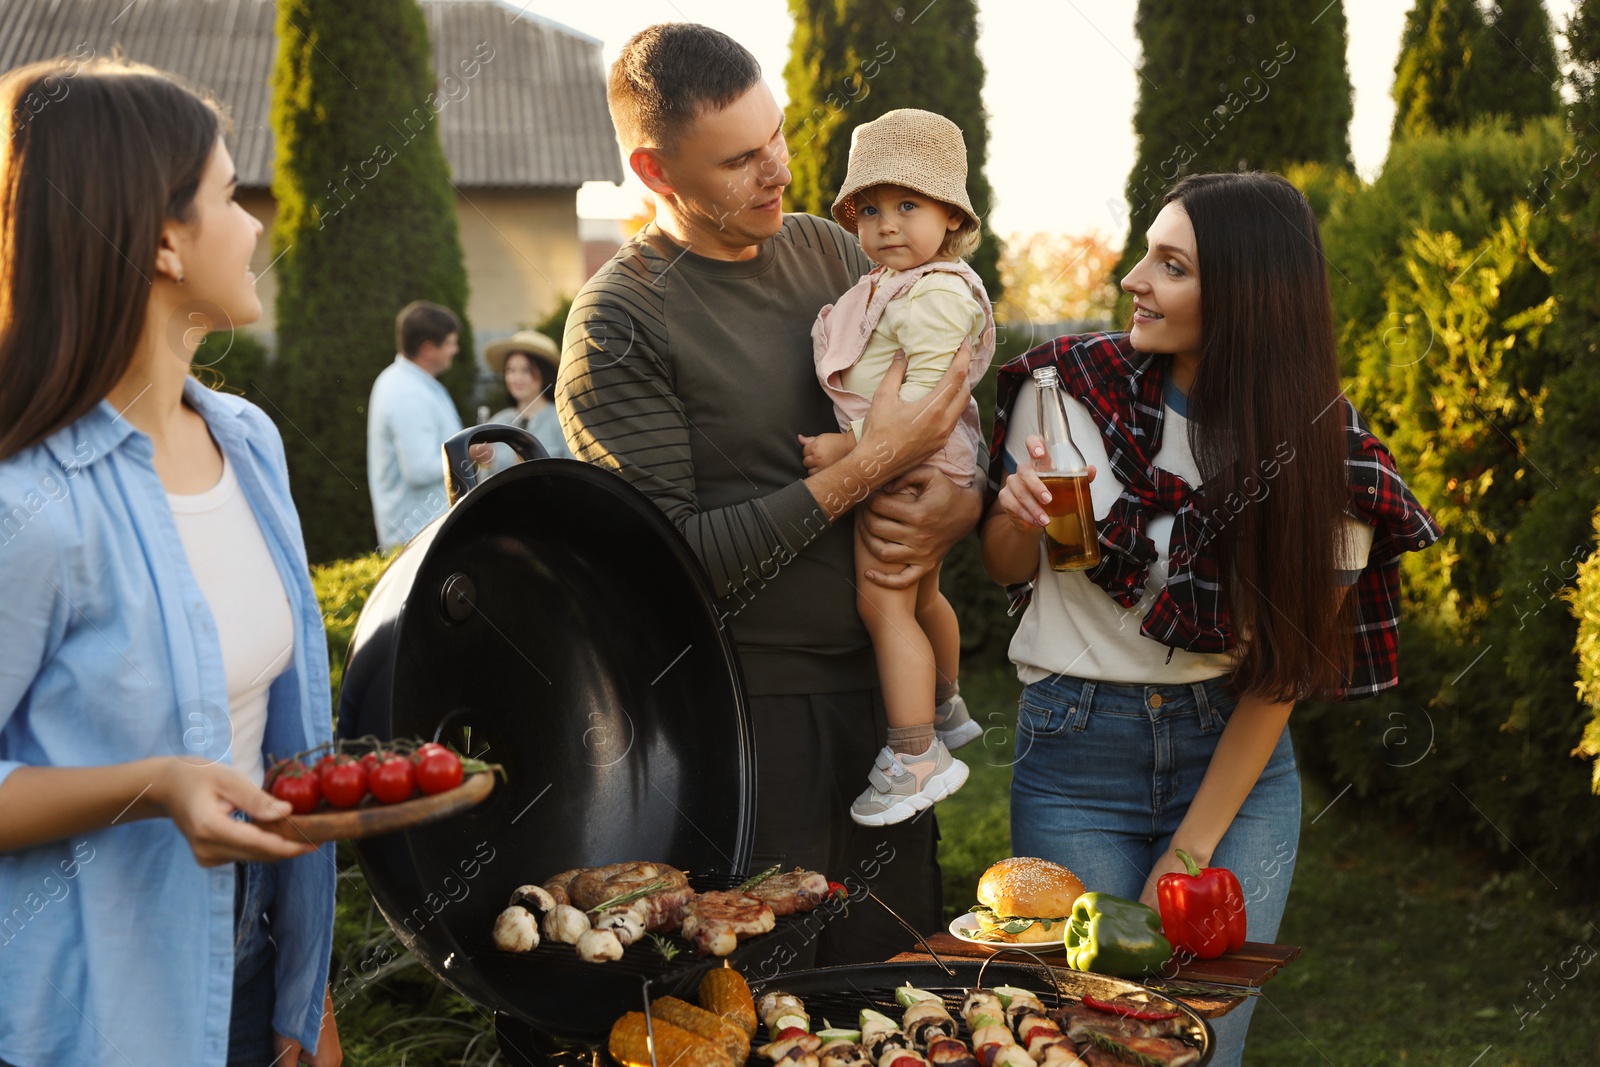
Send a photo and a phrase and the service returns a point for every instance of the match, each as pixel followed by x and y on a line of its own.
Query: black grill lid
pixel 556 618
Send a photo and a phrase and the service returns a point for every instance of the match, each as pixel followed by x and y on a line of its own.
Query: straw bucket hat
pixel 536 346
pixel 917 149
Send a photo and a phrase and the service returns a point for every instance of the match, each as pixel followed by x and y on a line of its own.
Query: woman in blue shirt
pixel 133 892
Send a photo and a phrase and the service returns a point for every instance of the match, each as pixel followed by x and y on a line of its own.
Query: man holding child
pixel 688 370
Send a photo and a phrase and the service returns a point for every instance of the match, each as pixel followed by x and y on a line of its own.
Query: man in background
pixel 409 416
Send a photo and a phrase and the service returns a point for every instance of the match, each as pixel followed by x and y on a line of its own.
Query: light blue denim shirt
pixel 116 946
pixel 409 415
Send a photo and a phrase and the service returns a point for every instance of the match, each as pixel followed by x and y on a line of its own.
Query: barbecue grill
pixel 555 622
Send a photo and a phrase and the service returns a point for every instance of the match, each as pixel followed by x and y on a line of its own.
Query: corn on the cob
pixel 726 1036
pixel 675 1047
pixel 725 993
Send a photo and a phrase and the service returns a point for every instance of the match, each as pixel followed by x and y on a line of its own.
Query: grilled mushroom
pixel 536 899
pixel 597 946
pixel 565 924
pixel 625 922
pixel 515 930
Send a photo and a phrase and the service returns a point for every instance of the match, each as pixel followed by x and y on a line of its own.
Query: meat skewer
pixel 880 1034
pixel 784 1016
pixel 1036 1032
pixel 949 1052
pixel 925 1016
pixel 843 1054
pixel 985 1016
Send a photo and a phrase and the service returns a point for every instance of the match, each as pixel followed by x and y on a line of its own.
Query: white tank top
pixel 236 575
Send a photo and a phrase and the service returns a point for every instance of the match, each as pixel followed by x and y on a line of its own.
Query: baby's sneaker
pixel 953 725
pixel 903 785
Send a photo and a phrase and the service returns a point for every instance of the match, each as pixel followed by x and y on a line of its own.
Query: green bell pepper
pixel 1109 935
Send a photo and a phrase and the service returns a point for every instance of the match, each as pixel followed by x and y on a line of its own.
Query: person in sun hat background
pixel 526 363
pixel 905 197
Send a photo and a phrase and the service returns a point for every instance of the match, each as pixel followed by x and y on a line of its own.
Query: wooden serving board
pixel 371 818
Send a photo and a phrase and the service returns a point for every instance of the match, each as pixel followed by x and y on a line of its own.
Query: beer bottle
pixel 1070 540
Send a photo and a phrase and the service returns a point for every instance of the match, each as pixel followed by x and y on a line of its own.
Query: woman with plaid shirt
pixel 1250 531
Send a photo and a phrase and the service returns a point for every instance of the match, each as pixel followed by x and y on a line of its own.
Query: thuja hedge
pixel 1447 274
pixel 366 223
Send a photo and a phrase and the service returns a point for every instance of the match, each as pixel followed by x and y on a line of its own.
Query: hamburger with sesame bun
pixel 1025 900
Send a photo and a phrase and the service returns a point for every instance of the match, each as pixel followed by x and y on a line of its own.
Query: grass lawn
pixel 1413 953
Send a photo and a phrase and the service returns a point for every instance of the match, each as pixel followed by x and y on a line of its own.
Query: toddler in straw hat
pixel 905 196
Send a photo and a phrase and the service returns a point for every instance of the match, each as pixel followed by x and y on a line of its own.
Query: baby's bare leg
pixel 906 657
pixel 938 620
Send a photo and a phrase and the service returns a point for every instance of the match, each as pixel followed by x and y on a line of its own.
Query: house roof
pixel 533 116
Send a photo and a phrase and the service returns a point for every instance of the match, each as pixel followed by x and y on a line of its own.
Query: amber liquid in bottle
pixel 1071 543
pixel 1070 540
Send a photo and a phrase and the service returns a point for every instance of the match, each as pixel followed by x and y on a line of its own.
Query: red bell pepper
pixel 1202 911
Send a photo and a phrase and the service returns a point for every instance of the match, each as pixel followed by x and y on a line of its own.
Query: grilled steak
pixel 713 922
pixel 787 894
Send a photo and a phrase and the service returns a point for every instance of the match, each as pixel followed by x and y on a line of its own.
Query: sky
pixel 1061 86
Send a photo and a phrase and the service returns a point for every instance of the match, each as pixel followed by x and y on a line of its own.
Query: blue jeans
pixel 250 1037
pixel 1105 773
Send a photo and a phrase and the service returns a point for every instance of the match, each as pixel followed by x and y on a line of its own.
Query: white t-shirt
pixel 236 575
pixel 1071 625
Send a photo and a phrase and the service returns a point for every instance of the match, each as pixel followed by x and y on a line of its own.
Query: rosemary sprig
pixel 752 882
pixel 666 948
pixel 629 897
pixel 1121 1051
pixel 1204 989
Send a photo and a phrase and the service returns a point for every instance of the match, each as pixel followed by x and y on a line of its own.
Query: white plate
pixel 965 928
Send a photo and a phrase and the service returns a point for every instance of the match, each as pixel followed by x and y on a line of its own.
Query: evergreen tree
pixel 1225 86
pixel 1433 72
pixel 851 61
pixel 1515 72
pixel 366 223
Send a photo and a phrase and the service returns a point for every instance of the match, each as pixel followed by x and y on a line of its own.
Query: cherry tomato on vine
pixel 425 750
pixel 298 786
pixel 393 781
pixel 439 771
pixel 371 760
pixel 344 784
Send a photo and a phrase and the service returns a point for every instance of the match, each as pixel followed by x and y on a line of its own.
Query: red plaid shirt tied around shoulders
pixel 1123 390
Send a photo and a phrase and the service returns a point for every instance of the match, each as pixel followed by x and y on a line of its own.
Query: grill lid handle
pixel 461 473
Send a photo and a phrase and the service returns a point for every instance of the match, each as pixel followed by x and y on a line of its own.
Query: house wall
pixel 521 249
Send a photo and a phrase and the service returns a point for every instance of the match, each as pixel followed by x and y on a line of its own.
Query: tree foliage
pixel 1225 86
pixel 1458 65
pixel 851 61
pixel 1052 278
pixel 366 223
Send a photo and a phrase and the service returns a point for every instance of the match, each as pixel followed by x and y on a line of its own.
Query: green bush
pixel 1446 292
pixel 236 361
pixel 1585 600
pixel 342 589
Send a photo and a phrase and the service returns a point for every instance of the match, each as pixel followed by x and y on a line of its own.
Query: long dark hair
pixel 95 161
pixel 1266 433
